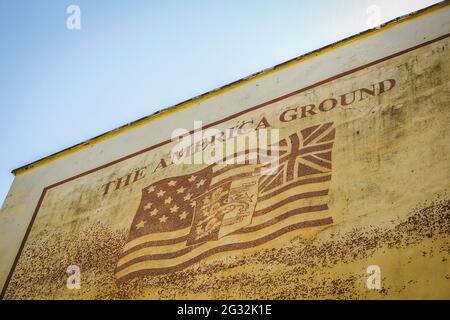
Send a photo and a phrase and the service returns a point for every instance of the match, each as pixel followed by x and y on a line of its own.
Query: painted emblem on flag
pixel 184 219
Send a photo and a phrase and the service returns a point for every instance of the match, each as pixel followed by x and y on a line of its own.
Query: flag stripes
pixel 294 197
pixel 146 266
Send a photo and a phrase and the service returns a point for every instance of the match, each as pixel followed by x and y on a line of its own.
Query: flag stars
pixel 174 209
pixel 193 203
pixel 187 197
pixel 148 206
pixel 160 193
pixel 163 219
pixel 151 189
pixel 154 212
pixel 183 215
pixel 181 190
pixel 168 200
pixel 192 178
pixel 200 183
pixel 141 224
pixel 172 183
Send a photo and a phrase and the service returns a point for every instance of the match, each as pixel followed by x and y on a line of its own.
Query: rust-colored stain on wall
pixel 363 179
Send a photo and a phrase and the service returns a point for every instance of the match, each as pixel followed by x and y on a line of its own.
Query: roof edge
pixel 220 90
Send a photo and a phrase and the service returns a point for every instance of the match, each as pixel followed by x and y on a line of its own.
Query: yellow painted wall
pixel 388 198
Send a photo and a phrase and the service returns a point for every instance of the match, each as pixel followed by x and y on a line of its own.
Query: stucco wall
pixel 387 198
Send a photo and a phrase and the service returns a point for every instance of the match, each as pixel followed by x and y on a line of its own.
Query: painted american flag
pixel 184 219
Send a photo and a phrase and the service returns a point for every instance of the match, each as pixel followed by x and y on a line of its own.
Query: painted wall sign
pixel 362 179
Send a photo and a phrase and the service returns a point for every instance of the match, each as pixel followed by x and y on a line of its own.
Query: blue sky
pixel 131 58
